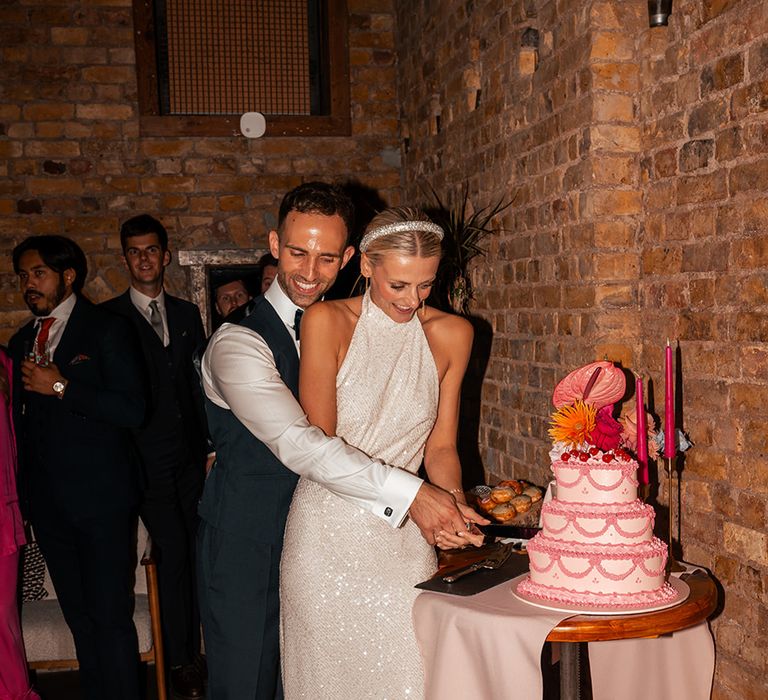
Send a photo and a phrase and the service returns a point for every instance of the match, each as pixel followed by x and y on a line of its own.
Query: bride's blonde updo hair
pixel 382 236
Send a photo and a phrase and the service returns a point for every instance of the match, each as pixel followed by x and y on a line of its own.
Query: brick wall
pixel 638 164
pixel 72 160
pixel 636 160
pixel 704 112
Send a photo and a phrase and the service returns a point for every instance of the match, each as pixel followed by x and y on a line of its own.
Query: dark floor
pixel 63 685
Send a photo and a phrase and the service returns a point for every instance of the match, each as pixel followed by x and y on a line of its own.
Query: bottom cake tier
pixel 597 575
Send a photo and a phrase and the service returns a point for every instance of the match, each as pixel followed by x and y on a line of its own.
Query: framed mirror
pixel 207 269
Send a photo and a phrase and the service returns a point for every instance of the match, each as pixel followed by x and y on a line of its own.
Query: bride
pixel 384 372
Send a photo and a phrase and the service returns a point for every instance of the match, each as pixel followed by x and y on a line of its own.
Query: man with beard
pixel 171 441
pixel 78 389
pixel 263 443
pixel 231 298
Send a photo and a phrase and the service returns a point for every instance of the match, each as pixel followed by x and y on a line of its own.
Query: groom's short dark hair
pixel 317 198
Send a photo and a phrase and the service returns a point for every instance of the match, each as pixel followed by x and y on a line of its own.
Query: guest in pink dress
pixel 14 678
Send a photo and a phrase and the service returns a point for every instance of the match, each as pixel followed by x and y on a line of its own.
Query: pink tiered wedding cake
pixel 596 547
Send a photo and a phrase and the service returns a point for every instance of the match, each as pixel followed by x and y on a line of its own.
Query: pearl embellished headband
pixel 399 227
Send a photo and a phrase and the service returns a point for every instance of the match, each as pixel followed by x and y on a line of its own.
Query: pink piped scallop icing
pixel 608 600
pixel 623 570
pixel 596 546
pixel 596 481
pixel 597 523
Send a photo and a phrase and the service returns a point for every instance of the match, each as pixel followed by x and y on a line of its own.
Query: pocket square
pixel 77 359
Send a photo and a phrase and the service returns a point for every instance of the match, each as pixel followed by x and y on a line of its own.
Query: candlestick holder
pixel 672 564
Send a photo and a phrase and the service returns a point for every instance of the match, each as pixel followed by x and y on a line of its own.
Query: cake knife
pixel 493 561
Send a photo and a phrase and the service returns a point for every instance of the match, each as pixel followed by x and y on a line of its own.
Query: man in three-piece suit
pixel 171 441
pixel 78 389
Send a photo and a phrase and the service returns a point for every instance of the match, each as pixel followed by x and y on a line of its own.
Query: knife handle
pixel 462 572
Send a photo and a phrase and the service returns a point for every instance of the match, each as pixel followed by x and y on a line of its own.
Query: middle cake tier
pixel 598 523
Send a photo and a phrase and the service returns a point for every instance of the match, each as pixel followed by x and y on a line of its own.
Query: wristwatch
pixel 58 388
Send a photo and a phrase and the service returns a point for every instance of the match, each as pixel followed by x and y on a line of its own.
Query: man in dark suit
pixel 78 388
pixel 171 441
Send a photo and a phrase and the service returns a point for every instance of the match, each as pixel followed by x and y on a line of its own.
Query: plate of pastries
pixel 511 502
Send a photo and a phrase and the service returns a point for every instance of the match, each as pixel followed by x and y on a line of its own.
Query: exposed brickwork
pixel 713 224
pixel 72 161
pixel 637 163
pixel 636 160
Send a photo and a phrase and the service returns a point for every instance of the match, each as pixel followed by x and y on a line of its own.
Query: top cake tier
pixel 595 480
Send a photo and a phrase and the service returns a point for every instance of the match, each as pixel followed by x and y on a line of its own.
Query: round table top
pixel 699 605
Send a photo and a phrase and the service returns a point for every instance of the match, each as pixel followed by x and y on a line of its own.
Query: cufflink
pixel 387 511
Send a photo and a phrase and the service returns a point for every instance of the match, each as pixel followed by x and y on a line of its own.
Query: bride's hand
pixel 448 540
pixel 463 538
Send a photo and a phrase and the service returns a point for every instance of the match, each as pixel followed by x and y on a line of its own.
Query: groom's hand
pixel 434 510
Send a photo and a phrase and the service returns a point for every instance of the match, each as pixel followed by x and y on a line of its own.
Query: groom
pixel 263 443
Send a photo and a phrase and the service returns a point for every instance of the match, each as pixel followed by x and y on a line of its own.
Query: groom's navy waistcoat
pixel 249 491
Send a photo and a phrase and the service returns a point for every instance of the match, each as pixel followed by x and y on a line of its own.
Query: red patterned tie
pixel 41 341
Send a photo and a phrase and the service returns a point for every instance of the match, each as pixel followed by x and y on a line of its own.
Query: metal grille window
pixel 202 63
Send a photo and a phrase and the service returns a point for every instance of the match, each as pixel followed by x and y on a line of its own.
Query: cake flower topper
pixel 601 383
pixel 584 419
pixel 584 400
pixel 584 422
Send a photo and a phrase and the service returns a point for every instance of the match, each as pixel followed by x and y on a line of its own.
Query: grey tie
pixel 156 319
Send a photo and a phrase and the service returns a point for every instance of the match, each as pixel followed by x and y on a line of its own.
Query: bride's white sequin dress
pixel 347 578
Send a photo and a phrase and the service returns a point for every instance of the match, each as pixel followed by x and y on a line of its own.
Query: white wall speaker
pixel 253 125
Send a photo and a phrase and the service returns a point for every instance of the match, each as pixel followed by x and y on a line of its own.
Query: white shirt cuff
pixel 396 497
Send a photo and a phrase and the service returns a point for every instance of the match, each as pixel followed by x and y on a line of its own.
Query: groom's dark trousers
pixel 243 512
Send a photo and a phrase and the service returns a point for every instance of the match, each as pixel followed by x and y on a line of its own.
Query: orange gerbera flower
pixel 573 424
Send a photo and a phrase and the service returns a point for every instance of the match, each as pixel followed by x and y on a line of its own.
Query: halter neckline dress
pixel 347 578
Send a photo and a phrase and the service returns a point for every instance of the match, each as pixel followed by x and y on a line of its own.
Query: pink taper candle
pixel 642 434
pixel 669 405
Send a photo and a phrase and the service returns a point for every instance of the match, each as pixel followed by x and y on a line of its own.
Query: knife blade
pixel 494 561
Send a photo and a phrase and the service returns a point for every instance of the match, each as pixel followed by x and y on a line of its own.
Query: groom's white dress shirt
pixel 239 374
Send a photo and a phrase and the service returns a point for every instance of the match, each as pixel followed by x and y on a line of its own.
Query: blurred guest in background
pixel 230 296
pixel 268 265
pixel 14 679
pixel 171 441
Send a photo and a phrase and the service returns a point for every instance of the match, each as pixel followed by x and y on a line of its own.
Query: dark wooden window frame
pixel 153 123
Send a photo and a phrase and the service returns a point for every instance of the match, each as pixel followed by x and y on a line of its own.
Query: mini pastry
pixel 487 504
pixel 521 503
pixel 502 494
pixel 517 486
pixel 533 493
pixel 504 512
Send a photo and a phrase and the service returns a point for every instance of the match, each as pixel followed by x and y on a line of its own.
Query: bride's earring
pixel 423 308
pixel 367 282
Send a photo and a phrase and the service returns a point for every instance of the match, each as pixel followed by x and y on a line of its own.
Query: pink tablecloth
pixel 677 666
pixel 482 646
pixel 489 646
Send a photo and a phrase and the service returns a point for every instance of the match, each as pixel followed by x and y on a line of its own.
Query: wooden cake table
pixel 699 605
pixel 488 644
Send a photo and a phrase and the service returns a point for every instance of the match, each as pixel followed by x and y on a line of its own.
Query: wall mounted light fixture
pixel 659 12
